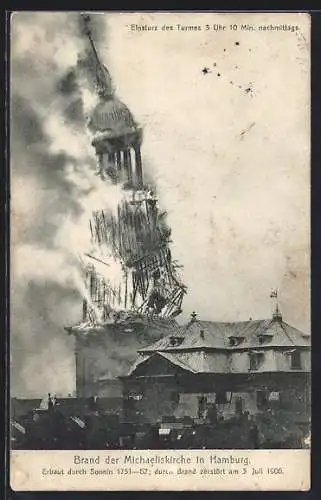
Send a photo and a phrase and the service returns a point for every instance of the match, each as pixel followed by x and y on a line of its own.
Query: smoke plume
pixel 55 188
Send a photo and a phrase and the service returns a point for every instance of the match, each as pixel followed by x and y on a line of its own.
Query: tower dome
pixel 112 117
pixel 116 136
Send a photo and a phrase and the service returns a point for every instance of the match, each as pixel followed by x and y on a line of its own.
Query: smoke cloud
pixel 54 191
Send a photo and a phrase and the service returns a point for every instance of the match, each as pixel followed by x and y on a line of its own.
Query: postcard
pixel 160 251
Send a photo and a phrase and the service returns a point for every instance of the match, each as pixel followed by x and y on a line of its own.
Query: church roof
pixel 214 347
pixel 194 362
pixel 129 324
pixel 115 344
pixel 198 335
pixel 205 362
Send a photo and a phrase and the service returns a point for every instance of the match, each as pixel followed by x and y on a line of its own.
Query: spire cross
pixel 104 86
pixel 86 20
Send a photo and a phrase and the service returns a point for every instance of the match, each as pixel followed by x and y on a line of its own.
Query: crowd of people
pixel 50 427
pixel 47 427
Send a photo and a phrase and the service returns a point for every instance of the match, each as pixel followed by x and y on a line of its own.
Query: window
pixel 296 360
pixel 274 396
pixel 135 396
pixel 174 341
pixel 256 360
pixel 234 341
pixel 261 399
pixel 239 404
pixel 267 399
pixel 221 398
pixel 264 339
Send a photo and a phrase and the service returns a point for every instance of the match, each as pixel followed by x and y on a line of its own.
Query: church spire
pixel 104 82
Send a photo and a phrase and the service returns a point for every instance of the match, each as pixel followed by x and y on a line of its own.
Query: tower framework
pixel 136 239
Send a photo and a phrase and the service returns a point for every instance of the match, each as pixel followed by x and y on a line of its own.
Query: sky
pixel 227 148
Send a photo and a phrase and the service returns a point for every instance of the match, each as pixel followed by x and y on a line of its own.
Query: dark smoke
pixel 40 307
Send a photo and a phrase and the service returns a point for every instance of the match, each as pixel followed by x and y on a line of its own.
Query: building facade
pixel 105 352
pixel 250 365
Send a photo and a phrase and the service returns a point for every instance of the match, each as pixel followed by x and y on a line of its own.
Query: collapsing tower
pixel 134 240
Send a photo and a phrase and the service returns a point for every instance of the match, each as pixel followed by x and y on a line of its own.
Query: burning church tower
pixel 126 310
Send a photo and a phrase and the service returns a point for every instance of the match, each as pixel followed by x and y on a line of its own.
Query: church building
pixel 247 365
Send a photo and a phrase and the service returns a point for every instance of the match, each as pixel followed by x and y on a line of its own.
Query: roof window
pixel 235 341
pixel 175 341
pixel 264 338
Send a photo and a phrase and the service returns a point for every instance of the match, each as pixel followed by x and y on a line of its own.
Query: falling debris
pixel 249 90
pixel 245 131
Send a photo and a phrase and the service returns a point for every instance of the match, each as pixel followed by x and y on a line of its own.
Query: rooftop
pixel 200 335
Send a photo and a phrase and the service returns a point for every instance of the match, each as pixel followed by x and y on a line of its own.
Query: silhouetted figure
pixel 152 439
pixel 201 407
pixel 246 416
pixel 212 414
pixel 239 416
pixel 254 434
pixel 50 403
pixel 58 429
pixel 37 434
pixel 92 404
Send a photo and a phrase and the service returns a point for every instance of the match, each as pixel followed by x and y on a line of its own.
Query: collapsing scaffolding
pixel 135 240
pixel 138 239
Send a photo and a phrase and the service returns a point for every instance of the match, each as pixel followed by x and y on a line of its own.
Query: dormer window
pixel 175 341
pixel 264 339
pixel 235 341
